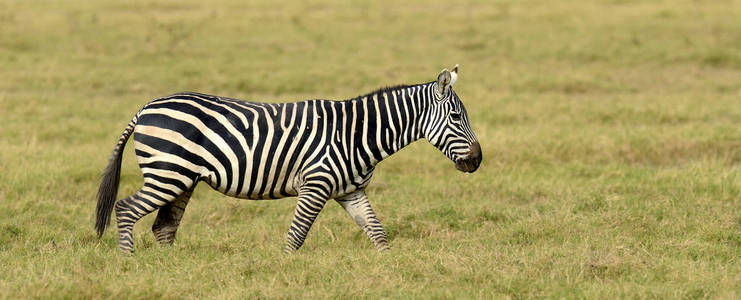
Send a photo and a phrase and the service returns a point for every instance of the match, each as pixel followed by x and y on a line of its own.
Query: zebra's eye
pixel 455 116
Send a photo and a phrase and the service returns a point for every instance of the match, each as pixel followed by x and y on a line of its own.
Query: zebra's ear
pixel 454 75
pixel 444 81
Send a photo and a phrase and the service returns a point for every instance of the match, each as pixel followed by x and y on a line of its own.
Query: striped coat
pixel 315 149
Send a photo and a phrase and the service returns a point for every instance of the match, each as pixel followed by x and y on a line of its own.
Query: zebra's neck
pixel 389 120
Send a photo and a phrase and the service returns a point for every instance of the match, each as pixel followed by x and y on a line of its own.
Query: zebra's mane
pixel 389 88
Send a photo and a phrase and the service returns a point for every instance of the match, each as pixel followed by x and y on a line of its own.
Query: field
pixel 610 130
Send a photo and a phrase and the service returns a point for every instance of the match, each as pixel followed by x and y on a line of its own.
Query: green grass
pixel 611 135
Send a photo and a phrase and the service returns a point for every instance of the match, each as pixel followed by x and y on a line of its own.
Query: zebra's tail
pixel 109 183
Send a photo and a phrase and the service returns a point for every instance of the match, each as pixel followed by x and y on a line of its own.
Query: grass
pixel 610 133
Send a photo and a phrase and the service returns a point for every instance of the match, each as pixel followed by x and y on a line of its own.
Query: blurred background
pixel 610 132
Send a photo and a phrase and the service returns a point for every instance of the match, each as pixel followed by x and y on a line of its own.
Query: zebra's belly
pixel 263 196
pixel 265 190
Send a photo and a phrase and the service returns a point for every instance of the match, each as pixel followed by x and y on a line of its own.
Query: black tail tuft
pixel 109 184
pixel 107 193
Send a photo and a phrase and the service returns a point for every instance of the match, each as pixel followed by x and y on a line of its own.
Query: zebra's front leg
pixel 168 219
pixel 356 204
pixel 310 203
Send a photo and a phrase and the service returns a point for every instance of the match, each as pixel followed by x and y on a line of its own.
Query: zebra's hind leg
pixel 168 219
pixel 356 204
pixel 133 208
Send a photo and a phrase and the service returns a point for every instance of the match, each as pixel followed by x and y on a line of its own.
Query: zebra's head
pixel 447 126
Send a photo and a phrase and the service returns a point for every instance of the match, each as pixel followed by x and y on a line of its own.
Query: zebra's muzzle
pixel 471 162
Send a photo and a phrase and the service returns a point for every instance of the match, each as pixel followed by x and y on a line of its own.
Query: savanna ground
pixel 610 132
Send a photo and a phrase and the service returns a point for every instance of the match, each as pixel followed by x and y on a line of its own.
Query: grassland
pixel 611 134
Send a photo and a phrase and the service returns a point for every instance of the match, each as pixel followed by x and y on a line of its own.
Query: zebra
pixel 315 150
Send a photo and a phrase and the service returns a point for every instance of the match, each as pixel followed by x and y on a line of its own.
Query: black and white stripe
pixel 316 150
